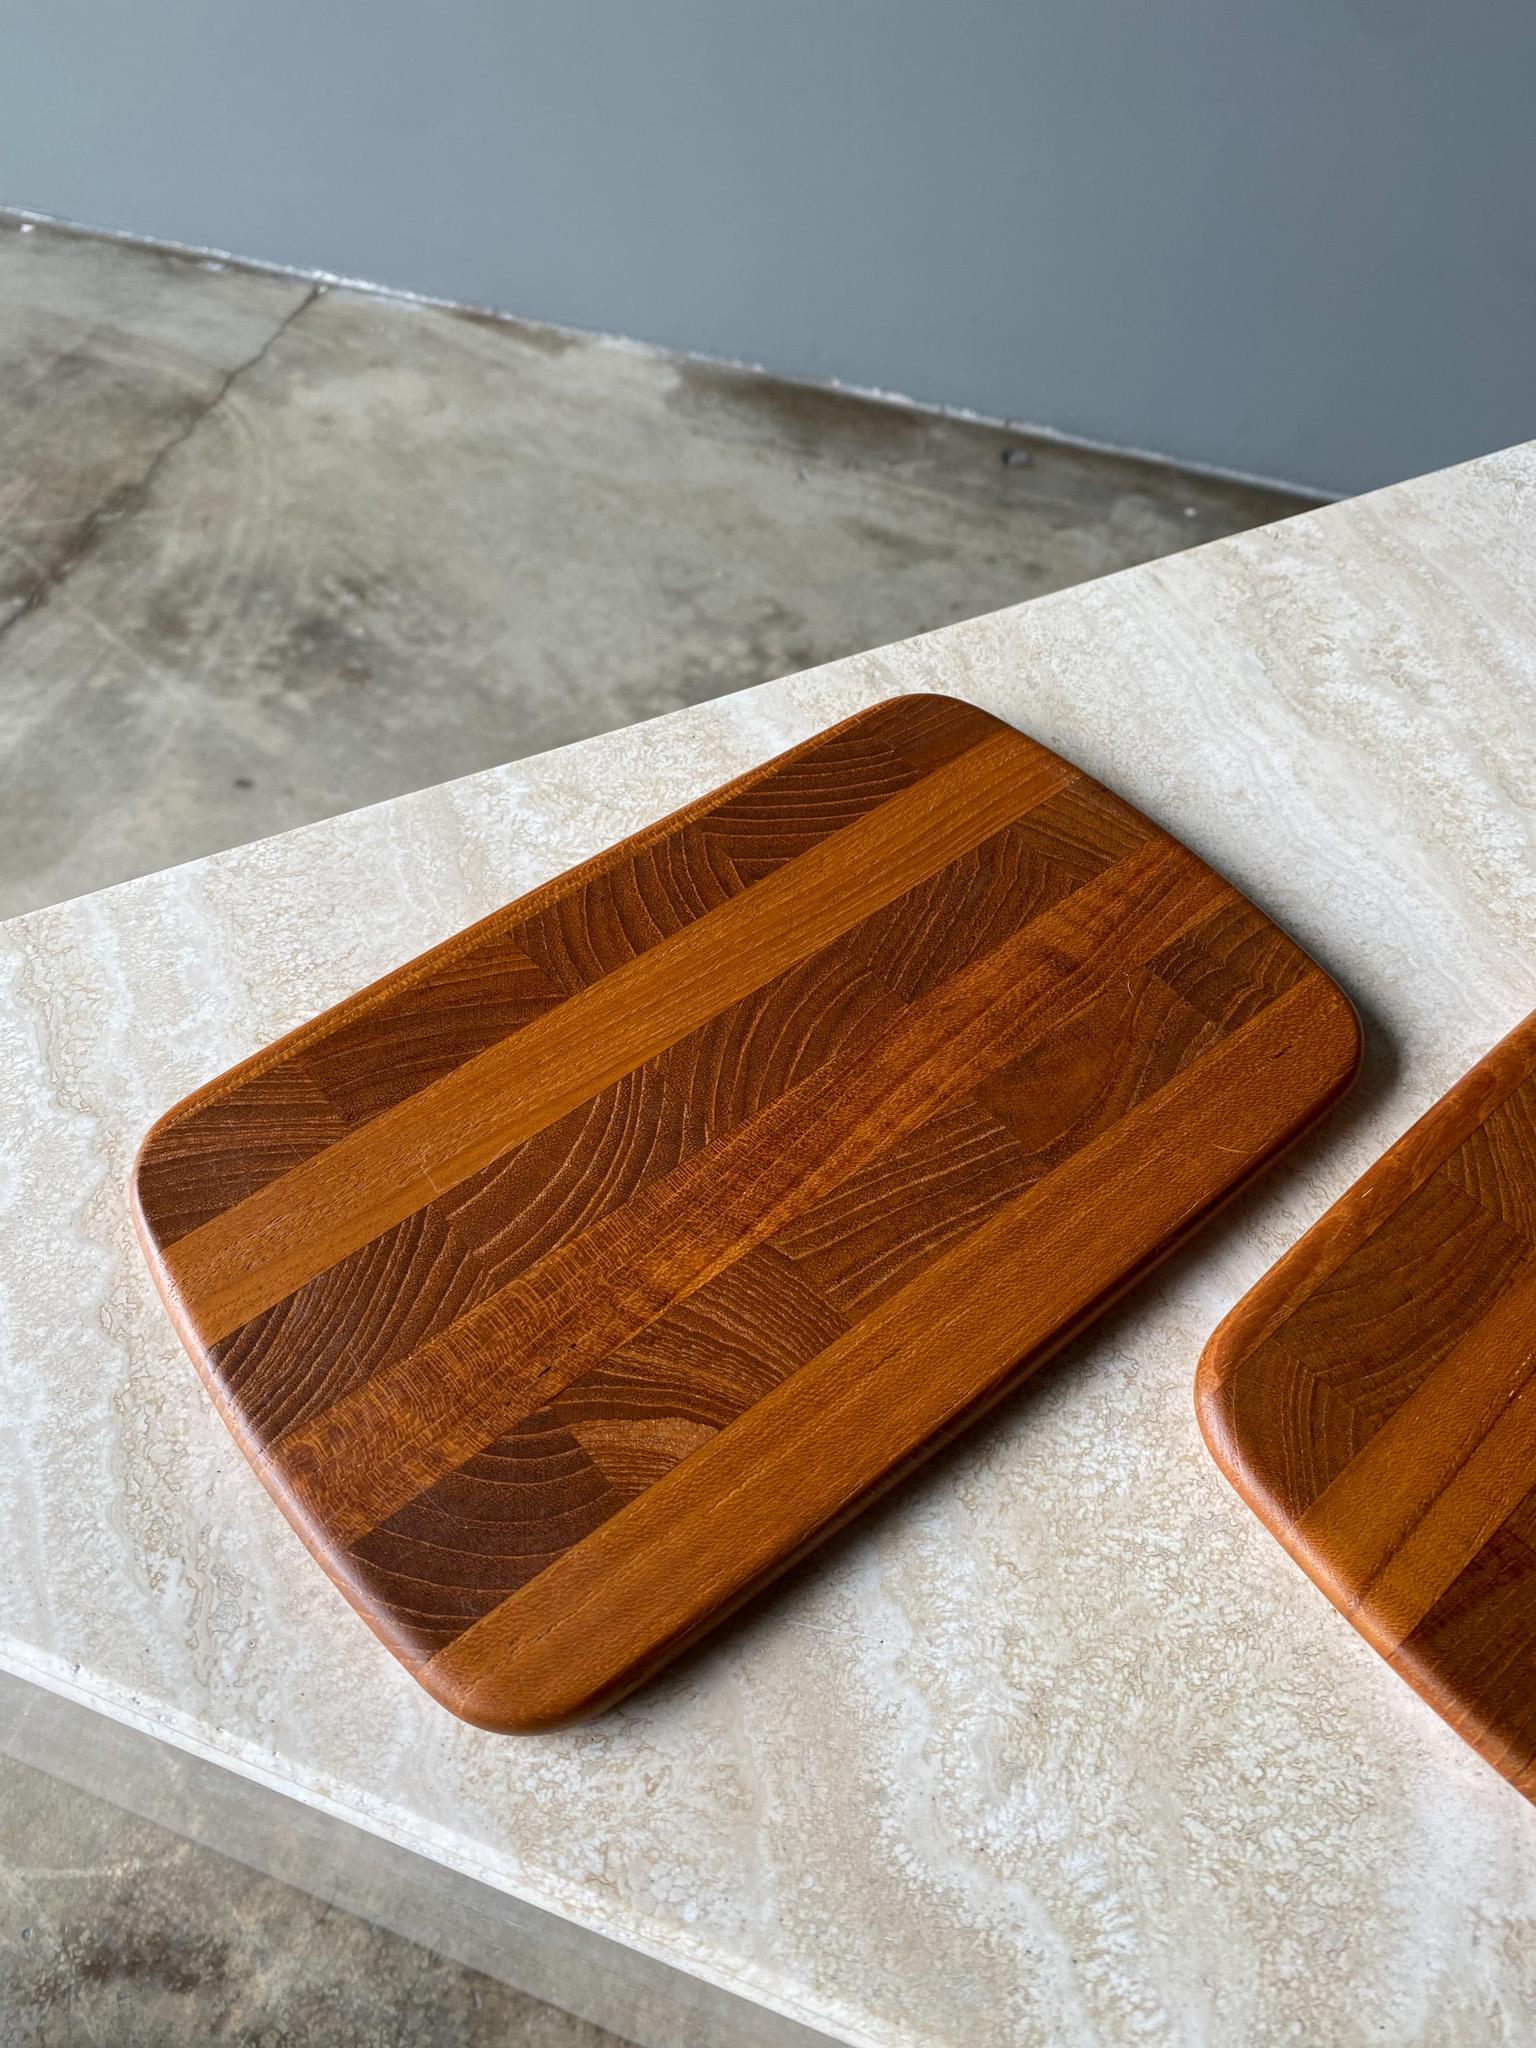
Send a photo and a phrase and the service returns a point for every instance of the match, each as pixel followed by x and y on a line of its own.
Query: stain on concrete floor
pixel 269 551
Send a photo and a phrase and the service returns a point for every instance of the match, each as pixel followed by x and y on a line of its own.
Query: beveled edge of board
pixel 1342 1229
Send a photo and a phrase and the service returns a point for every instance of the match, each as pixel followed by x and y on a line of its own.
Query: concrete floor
pixel 270 551
pixel 116 1934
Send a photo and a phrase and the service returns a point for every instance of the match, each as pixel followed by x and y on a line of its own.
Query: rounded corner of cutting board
pixel 1212 1402
pixel 1347 1037
pixel 146 1229
pixel 915 702
pixel 1218 1372
pixel 498 1703
pixel 536 1679
pixel 143 1157
pixel 1338 1052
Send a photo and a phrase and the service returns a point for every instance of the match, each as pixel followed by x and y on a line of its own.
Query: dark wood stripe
pixel 952 916
pixel 1494 1166
pixel 1114 1052
pixel 197 1167
pixel 1473 1655
pixel 866 1237
pixel 925 728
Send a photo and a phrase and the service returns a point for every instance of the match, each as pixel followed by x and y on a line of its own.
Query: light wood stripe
pixel 260 1251
pixel 1418 1503
pixel 415 1421
pixel 918 1367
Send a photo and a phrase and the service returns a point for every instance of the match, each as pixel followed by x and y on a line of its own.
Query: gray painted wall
pixel 1292 237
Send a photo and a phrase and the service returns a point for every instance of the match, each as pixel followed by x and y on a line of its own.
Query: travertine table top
pixel 1057 1746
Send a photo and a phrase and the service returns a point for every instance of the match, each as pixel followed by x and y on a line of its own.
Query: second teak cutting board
pixel 1373 1399
pixel 571 1281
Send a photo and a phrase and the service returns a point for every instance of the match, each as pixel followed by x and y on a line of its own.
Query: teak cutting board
pixel 567 1284
pixel 1373 1399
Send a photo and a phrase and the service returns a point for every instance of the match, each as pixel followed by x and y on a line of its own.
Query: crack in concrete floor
pixel 127 497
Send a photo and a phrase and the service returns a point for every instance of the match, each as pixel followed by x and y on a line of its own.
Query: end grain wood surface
pixel 1373 1399
pixel 567 1284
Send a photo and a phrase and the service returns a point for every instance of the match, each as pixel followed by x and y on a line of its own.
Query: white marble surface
pixel 1056 1747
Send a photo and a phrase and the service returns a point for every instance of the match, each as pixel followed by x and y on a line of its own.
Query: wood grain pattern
pixel 568 1283
pixel 1374 1400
